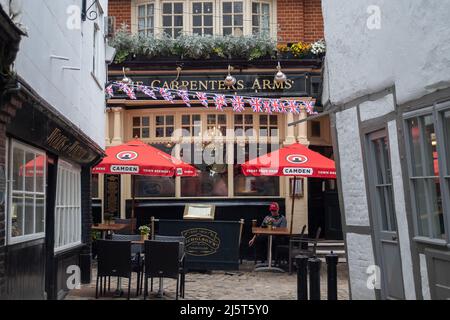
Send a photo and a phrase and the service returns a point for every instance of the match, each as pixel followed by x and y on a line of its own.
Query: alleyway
pixel 219 285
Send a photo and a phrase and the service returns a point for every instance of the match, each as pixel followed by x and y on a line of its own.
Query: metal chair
pixel 136 258
pixel 128 230
pixel 113 261
pixel 162 260
pixel 303 246
pixel 282 250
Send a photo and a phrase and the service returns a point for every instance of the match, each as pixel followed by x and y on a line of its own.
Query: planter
pixel 144 237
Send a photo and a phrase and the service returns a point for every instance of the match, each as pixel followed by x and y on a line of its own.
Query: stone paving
pixel 244 284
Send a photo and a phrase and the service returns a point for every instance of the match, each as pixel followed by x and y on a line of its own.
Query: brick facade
pixel 298 20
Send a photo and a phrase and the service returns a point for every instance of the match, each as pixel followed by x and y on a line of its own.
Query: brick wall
pixel 121 9
pixel 299 20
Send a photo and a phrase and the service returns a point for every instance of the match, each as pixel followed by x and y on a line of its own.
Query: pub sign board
pixel 209 245
pixel 112 195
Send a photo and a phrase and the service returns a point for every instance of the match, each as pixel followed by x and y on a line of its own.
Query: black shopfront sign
pixel 112 195
pixel 209 245
pixel 297 85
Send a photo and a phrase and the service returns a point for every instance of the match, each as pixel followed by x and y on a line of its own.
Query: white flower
pixel 318 47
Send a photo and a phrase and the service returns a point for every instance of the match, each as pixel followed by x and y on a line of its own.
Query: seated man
pixel 276 220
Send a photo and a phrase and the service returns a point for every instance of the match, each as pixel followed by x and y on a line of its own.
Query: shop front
pixel 216 140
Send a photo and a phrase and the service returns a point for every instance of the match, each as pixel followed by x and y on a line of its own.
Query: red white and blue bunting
pixel 220 101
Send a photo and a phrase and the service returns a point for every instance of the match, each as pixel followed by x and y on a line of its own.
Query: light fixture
pixel 183 88
pixel 230 80
pixel 125 79
pixel 280 77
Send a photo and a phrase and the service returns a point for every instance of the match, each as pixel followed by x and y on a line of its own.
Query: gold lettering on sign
pixel 61 143
pixel 267 84
pixel 289 84
pixel 203 85
pixel 194 85
pixel 156 83
pixel 256 85
pixel 221 85
pixel 240 85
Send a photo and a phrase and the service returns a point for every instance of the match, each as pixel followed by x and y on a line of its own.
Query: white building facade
pixel 387 86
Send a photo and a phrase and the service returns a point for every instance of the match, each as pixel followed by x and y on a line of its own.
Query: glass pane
pixel 145 133
pixel 238 20
pixel 141 11
pixel 30 170
pixel 273 120
pixel 239 131
pixel 177 32
pixel 421 208
pixel 238 119
pixel 159 132
pixel 168 33
pixel 255 8
pixel 145 121
pixel 208 31
pixel 263 131
pixel 18 168
pixel 197 31
pixel 430 146
pixel 160 120
pixel 40 214
pixel 263 120
pixel 169 131
pixel 211 119
pixel 136 121
pixel 197 7
pixel 186 119
pixel 196 119
pixel 29 215
pixel 150 9
pixel 265 9
pixel 274 132
pixel 169 120
pixel 227 20
pixel 227 31
pixel 167 8
pixel 222 119
pixel 186 131
pixel 227 7
pixel 208 21
pixel 40 173
pixel 437 217
pixel 248 119
pixel 141 24
pixel 178 21
pixel 197 21
pixel 17 215
pixel 414 136
pixel 136 133
pixel 238 7
pixel 94 186
pixel 178 8
pixel 167 21
pixel 207 7
pixel 155 186
pixel 446 126
pixel 255 21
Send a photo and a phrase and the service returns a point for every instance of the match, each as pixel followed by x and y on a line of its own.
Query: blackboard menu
pixel 112 195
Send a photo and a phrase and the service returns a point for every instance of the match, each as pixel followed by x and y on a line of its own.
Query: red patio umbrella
pixel 35 165
pixel 139 158
pixel 294 160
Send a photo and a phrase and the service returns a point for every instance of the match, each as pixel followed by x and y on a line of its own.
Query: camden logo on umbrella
pixel 297 158
pixel 127 155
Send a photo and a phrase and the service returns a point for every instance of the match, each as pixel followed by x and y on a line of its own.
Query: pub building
pixel 46 152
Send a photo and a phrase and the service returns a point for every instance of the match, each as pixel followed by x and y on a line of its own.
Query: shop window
pixel 233 18
pixel 202 18
pixel 260 18
pixel 27 193
pixel 424 176
pixel 172 18
pixel 146 19
pixel 68 206
pixel 253 186
pixel 216 125
pixel 164 126
pixel 191 125
pixel 243 125
pixel 212 180
pixel 95 186
pixel 141 127
pixel 268 126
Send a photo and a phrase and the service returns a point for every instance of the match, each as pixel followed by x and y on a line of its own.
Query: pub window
pixel 202 18
pixel 27 193
pixel 146 19
pixel 233 18
pixel 141 127
pixel 95 51
pixel 172 18
pixel 216 125
pixel 253 186
pixel 260 18
pixel 424 176
pixel 191 125
pixel 212 181
pixel 268 126
pixel 315 129
pixel 243 125
pixel 164 126
pixel 68 206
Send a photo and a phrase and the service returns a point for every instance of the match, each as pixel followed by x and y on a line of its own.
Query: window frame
pixel 435 110
pixel 75 229
pixel 233 14
pixel 141 127
pixel 183 15
pixel 9 169
pixel 260 15
pixel 138 17
pixel 202 27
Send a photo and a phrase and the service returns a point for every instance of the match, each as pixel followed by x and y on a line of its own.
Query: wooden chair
pixel 302 246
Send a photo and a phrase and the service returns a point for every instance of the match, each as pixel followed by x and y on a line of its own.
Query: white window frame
pixel 96 51
pixel 68 206
pixel 202 14
pixel 173 15
pixel 10 191
pixel 260 4
pixel 146 27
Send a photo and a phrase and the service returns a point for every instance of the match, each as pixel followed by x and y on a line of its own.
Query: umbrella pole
pixel 133 192
pixel 293 202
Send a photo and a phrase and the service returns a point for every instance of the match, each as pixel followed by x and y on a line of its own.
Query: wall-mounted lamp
pixel 230 80
pixel 125 79
pixel 280 77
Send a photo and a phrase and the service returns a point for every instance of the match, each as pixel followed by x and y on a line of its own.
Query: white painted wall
pixel 410 50
pixel 74 93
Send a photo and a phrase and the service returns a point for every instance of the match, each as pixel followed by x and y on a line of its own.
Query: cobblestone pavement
pixel 244 284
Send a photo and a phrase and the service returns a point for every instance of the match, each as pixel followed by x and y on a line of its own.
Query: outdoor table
pixel 270 232
pixel 103 228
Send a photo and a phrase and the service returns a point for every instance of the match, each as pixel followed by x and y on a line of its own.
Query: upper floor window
pixel 202 18
pixel 191 125
pixel 141 127
pixel 268 126
pixel 260 18
pixel 172 18
pixel 164 127
pixel 146 19
pixel 233 18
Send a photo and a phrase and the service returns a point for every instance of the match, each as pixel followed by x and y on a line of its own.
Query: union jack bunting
pixel 110 91
pixel 277 106
pixel 220 101
pixel 165 94
pixel 267 107
pixel 183 94
pixel 309 107
pixel 128 90
pixel 147 91
pixel 238 104
pixel 256 104
pixel 293 107
pixel 203 99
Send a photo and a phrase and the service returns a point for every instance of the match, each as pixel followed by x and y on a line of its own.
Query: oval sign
pixel 127 155
pixel 296 158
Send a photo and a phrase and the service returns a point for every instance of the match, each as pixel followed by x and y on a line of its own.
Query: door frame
pixel 382 131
